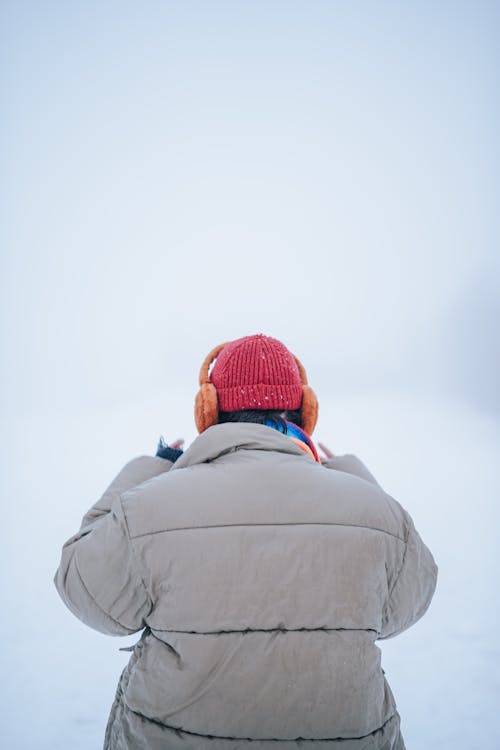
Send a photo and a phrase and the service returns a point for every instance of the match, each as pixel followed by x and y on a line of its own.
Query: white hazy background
pixel 178 174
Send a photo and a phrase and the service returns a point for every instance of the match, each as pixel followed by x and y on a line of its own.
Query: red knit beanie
pixel 256 372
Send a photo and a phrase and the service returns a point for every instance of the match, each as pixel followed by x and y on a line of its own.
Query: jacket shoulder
pixel 240 491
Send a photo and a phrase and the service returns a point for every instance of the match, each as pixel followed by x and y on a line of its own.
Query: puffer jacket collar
pixel 231 436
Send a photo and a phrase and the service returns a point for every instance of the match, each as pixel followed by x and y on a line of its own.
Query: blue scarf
pixel 298 436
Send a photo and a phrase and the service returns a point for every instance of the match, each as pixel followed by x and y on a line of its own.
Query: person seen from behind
pixel 260 575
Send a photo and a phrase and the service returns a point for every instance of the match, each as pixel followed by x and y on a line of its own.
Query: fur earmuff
pixel 309 410
pixel 206 407
pixel 206 404
pixel 309 406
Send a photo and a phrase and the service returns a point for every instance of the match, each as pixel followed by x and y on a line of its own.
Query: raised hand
pixel 170 452
pixel 326 451
pixel 177 443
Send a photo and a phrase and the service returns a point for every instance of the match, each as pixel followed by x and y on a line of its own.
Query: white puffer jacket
pixel 261 580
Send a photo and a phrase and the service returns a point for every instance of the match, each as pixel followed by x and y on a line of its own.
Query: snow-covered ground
pixel 439 459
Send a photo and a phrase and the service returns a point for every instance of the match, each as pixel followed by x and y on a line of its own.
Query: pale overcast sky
pixel 177 174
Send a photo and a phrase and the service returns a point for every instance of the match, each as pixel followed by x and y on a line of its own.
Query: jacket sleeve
pixel 413 588
pixel 351 464
pixel 98 577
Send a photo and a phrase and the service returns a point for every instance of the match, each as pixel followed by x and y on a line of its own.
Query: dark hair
pixel 277 416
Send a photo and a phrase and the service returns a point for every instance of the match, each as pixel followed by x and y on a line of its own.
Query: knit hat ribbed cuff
pixel 260 396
